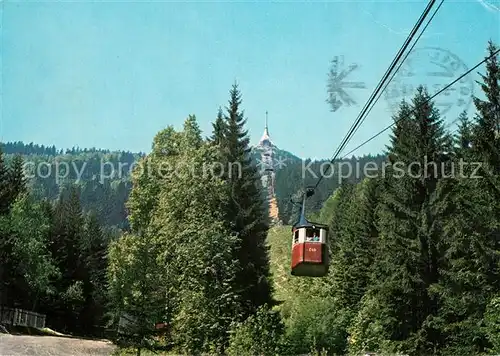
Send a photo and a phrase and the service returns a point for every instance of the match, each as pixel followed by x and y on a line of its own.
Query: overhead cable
pixel 425 102
pixel 382 82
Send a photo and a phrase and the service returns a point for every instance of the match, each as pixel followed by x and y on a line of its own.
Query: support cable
pixel 382 82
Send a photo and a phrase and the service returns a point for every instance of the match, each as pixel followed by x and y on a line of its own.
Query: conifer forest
pixel 191 263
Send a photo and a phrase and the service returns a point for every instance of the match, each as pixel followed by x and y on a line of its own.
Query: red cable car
pixel 309 246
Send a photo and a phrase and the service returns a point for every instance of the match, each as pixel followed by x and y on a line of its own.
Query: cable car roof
pixel 310 224
pixel 304 223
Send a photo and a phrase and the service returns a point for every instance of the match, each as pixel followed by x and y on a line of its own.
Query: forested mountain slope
pixel 104 176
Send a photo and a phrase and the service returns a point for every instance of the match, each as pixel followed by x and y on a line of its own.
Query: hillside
pixel 105 183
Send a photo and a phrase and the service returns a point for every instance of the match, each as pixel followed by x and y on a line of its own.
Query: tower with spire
pixel 268 175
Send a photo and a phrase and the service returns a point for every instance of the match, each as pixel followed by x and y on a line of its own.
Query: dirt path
pixel 24 345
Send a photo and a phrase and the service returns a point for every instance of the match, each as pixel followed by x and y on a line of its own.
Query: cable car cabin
pixel 309 250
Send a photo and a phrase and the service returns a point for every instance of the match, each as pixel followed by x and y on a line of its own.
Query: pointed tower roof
pixel 265 139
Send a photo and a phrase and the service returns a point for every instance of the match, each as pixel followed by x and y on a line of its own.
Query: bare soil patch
pixel 24 345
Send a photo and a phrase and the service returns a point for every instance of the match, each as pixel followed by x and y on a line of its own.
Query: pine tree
pixel 12 186
pixel 245 213
pixel 218 129
pixel 192 134
pixel 463 138
pixel 5 241
pixel 17 179
pixel 486 137
pixel 338 223
pixel 355 244
pixel 94 249
pixel 4 186
pixel 409 248
pixel 66 241
pixel 471 274
pixel 74 224
pixel 402 138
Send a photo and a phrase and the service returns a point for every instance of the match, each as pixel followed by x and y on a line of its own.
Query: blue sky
pixel 112 74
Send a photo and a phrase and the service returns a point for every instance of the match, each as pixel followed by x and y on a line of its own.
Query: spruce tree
pixel 339 219
pixel 192 134
pixel 4 186
pixel 471 273
pixel 93 249
pixel 66 239
pixel 17 179
pixel 402 138
pixel 74 223
pixel 5 240
pixel 218 128
pixel 409 248
pixel 463 138
pixel 14 189
pixel 355 245
pixel 486 138
pixel 245 213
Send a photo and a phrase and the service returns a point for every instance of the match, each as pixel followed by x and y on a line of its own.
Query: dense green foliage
pixel 178 253
pixel 53 257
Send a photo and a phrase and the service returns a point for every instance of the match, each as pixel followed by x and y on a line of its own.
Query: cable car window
pixel 296 237
pixel 312 235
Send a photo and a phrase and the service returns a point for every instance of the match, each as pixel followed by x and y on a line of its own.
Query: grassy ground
pixel 25 330
pixel 280 242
